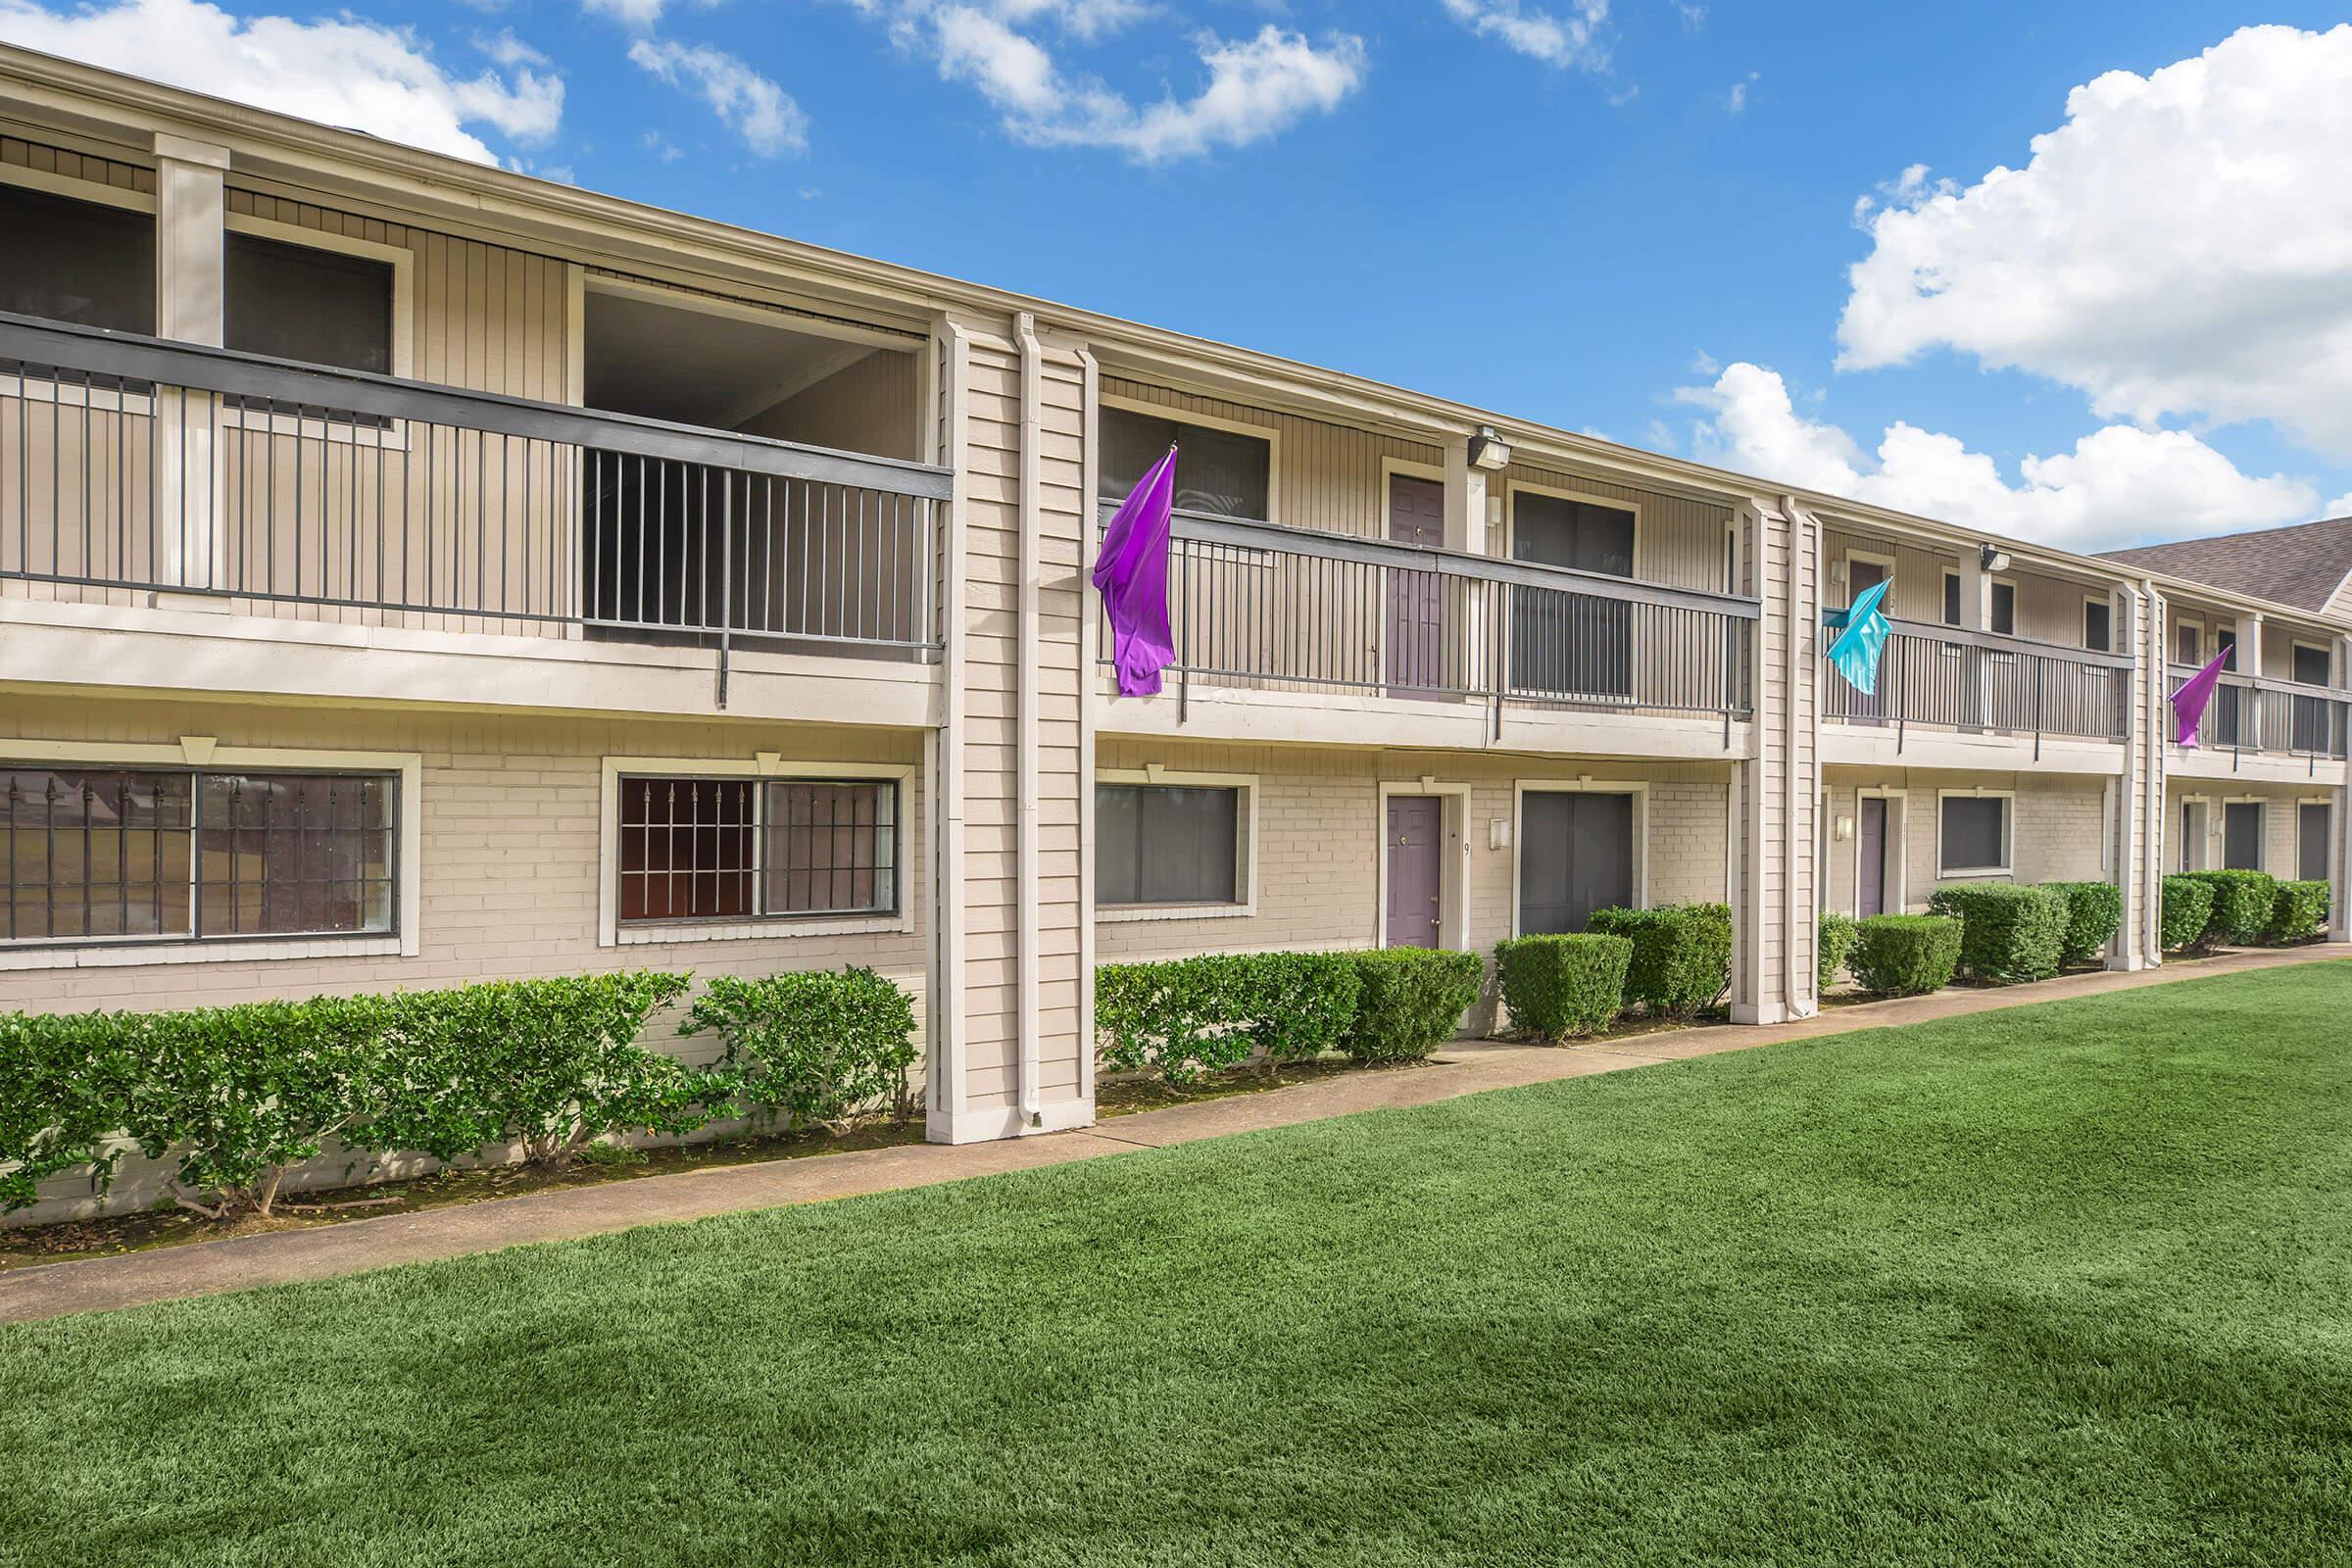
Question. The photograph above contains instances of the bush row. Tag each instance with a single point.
(1182, 1017)
(2203, 909)
(238, 1094)
(1670, 961)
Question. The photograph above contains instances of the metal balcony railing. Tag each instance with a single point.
(1255, 605)
(1944, 678)
(2277, 719)
(137, 463)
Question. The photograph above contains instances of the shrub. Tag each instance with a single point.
(2298, 912)
(1409, 1000)
(2187, 907)
(1835, 943)
(2094, 912)
(551, 1064)
(1905, 954)
(1181, 1017)
(242, 1092)
(1682, 955)
(66, 1082)
(2007, 933)
(1560, 986)
(2241, 905)
(818, 1047)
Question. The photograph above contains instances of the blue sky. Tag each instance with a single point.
(1636, 218)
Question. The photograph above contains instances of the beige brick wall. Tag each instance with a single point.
(2058, 826)
(2280, 820)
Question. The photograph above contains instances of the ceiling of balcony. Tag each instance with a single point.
(694, 366)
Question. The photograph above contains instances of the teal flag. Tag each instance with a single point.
(1856, 650)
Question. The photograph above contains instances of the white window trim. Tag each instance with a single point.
(202, 754)
(2328, 803)
(2293, 643)
(2203, 854)
(1453, 869)
(1246, 851)
(1897, 847)
(1513, 488)
(1951, 579)
(76, 189)
(34, 389)
(1876, 558)
(403, 262)
(2082, 622)
(1270, 435)
(611, 933)
(2008, 866)
(2261, 832)
(2173, 653)
(1521, 789)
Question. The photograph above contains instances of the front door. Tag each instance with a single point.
(1860, 577)
(1416, 656)
(1576, 854)
(1871, 896)
(1414, 890)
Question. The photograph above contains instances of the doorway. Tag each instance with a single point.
(1416, 892)
(1416, 621)
(1869, 831)
(1862, 574)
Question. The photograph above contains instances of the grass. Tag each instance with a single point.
(2065, 1283)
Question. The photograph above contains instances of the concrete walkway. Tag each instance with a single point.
(245, 1263)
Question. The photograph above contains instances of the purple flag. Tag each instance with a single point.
(2188, 703)
(1133, 574)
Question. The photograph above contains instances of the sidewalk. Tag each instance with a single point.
(238, 1264)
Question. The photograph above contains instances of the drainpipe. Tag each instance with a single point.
(1798, 676)
(2151, 917)
(1024, 330)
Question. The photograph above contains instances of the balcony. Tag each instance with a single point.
(2251, 718)
(1263, 612)
(1967, 683)
(133, 466)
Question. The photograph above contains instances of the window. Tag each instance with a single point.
(81, 261)
(2314, 820)
(2189, 643)
(298, 302)
(2004, 609)
(1226, 472)
(2311, 717)
(1974, 834)
(737, 849)
(2098, 625)
(1576, 854)
(1951, 598)
(1162, 844)
(2241, 836)
(1563, 643)
(94, 854)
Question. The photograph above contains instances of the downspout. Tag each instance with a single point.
(1796, 672)
(2151, 918)
(1024, 331)
(1090, 416)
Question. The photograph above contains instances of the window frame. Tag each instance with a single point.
(2261, 832)
(2092, 602)
(39, 389)
(1183, 414)
(1521, 789)
(201, 755)
(1245, 832)
(2303, 807)
(1513, 486)
(614, 932)
(2008, 866)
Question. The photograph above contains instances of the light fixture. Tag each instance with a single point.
(1992, 557)
(1489, 451)
(1845, 830)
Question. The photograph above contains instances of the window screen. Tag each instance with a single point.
(2004, 609)
(2311, 846)
(92, 854)
(2312, 665)
(1581, 535)
(1951, 598)
(2241, 836)
(1166, 843)
(1220, 472)
(2098, 625)
(318, 307)
(78, 261)
(732, 849)
(1576, 854)
(1976, 833)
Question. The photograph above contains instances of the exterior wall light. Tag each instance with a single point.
(1992, 557)
(1489, 451)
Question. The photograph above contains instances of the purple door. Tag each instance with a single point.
(1413, 890)
(1416, 657)
(1860, 577)
(1871, 897)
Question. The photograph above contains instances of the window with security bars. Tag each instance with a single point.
(728, 849)
(97, 855)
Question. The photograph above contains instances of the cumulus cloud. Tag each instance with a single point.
(1570, 40)
(2180, 246)
(337, 70)
(758, 111)
(1254, 87)
(2121, 484)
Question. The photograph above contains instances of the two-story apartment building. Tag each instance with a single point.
(413, 572)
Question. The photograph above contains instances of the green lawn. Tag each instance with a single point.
(2070, 1283)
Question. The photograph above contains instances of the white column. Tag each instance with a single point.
(190, 306)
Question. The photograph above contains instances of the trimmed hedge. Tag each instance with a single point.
(2299, 912)
(1905, 954)
(2094, 914)
(1181, 1017)
(2008, 933)
(1557, 987)
(2182, 917)
(1409, 1002)
(2241, 905)
(1835, 943)
(1682, 955)
(68, 1080)
(814, 1048)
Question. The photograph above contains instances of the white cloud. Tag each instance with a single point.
(2340, 507)
(639, 15)
(2119, 485)
(1737, 99)
(1256, 87)
(1570, 40)
(339, 72)
(2180, 246)
(758, 111)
